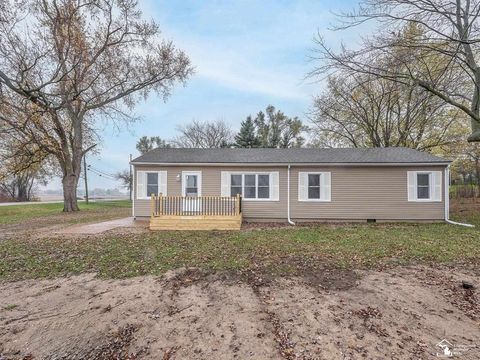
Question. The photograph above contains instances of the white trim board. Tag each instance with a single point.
(246, 164)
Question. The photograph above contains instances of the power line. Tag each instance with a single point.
(101, 171)
(98, 173)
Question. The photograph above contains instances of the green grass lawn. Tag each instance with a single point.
(287, 250)
(273, 251)
(23, 213)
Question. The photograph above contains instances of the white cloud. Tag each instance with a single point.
(233, 71)
(246, 46)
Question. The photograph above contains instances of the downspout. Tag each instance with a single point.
(447, 200)
(134, 192)
(288, 197)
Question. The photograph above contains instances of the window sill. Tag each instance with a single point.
(314, 200)
(258, 200)
(147, 197)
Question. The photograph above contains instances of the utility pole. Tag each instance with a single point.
(130, 178)
(85, 176)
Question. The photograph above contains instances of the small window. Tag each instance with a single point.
(236, 185)
(152, 184)
(250, 187)
(314, 186)
(423, 186)
(263, 186)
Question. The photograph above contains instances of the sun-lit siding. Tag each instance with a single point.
(357, 193)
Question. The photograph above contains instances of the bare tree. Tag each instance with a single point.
(444, 31)
(204, 135)
(467, 163)
(125, 178)
(65, 64)
(366, 111)
(23, 167)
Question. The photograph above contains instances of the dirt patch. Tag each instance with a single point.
(452, 284)
(116, 347)
(190, 314)
(331, 278)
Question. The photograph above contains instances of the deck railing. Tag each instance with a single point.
(196, 206)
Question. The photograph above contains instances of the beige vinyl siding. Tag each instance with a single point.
(211, 186)
(357, 193)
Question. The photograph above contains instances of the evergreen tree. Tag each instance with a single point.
(146, 144)
(271, 129)
(246, 137)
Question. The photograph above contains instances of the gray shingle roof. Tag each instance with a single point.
(395, 155)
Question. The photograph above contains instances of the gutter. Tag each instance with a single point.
(288, 197)
(447, 201)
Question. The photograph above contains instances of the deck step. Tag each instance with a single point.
(203, 222)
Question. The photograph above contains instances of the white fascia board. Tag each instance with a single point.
(292, 165)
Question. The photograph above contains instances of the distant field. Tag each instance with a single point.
(15, 214)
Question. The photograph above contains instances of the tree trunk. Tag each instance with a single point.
(71, 161)
(22, 187)
(69, 182)
(477, 175)
(475, 136)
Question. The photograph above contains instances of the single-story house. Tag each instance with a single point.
(294, 185)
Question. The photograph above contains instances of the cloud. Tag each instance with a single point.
(234, 72)
(248, 46)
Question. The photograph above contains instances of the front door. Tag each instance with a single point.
(191, 190)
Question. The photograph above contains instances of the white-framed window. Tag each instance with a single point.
(314, 186)
(150, 182)
(254, 186)
(250, 186)
(236, 184)
(424, 186)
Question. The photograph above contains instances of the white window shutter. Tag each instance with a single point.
(325, 186)
(162, 182)
(225, 183)
(274, 186)
(302, 186)
(436, 186)
(412, 185)
(141, 185)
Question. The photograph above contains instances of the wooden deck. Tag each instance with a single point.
(195, 213)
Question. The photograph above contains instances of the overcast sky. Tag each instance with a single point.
(247, 55)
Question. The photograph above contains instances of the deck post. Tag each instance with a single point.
(238, 204)
(152, 204)
(160, 204)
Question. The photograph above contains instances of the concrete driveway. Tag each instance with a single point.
(97, 228)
